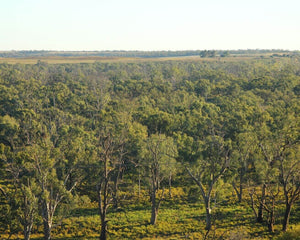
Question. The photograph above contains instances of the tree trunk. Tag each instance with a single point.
(46, 222)
(271, 226)
(272, 214)
(271, 223)
(153, 216)
(170, 185)
(47, 230)
(115, 193)
(115, 196)
(139, 194)
(240, 195)
(102, 205)
(103, 228)
(286, 219)
(208, 213)
(238, 191)
(28, 223)
(154, 208)
(27, 232)
(261, 205)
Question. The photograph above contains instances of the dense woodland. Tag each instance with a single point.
(109, 139)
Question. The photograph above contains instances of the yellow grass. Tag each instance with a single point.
(92, 59)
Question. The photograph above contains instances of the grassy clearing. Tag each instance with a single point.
(180, 220)
(93, 59)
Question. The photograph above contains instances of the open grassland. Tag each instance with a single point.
(93, 59)
(60, 60)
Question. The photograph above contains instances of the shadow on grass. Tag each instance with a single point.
(84, 212)
(74, 237)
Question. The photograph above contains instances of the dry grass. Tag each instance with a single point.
(92, 59)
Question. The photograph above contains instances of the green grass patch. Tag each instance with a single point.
(180, 220)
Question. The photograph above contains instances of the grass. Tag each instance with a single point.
(181, 220)
(93, 59)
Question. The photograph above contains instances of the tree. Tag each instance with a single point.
(267, 174)
(224, 54)
(205, 161)
(23, 199)
(109, 163)
(53, 190)
(243, 149)
(208, 53)
(264, 160)
(288, 154)
(159, 161)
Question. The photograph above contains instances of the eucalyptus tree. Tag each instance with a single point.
(159, 160)
(108, 136)
(53, 190)
(267, 174)
(243, 150)
(21, 195)
(109, 159)
(263, 160)
(287, 153)
(277, 163)
(22, 198)
(209, 168)
(205, 152)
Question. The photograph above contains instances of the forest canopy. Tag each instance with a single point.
(177, 132)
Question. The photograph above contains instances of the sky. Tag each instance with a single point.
(75, 25)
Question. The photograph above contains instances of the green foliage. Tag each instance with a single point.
(229, 123)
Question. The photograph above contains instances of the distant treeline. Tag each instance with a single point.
(142, 54)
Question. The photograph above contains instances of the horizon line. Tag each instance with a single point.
(178, 50)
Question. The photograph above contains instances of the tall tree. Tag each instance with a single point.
(243, 149)
(158, 155)
(108, 163)
(206, 161)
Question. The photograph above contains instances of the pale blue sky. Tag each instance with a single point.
(149, 25)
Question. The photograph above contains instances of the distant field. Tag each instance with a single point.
(92, 59)
(58, 60)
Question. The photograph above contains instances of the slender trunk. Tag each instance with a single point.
(27, 232)
(28, 219)
(170, 185)
(271, 226)
(47, 231)
(139, 194)
(116, 188)
(102, 205)
(272, 214)
(252, 203)
(288, 208)
(103, 202)
(103, 227)
(261, 205)
(46, 222)
(240, 195)
(271, 222)
(238, 191)
(208, 213)
(115, 195)
(154, 207)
